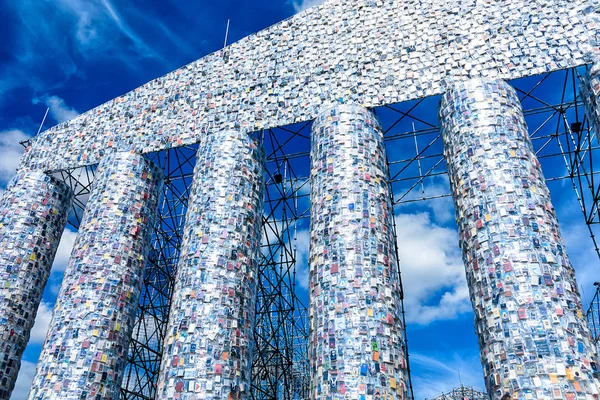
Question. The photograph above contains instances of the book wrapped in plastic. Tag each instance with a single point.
(33, 215)
(207, 348)
(356, 345)
(85, 351)
(533, 337)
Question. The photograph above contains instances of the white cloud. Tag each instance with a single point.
(64, 250)
(147, 332)
(580, 249)
(269, 236)
(442, 207)
(579, 245)
(303, 186)
(26, 374)
(304, 4)
(58, 109)
(432, 268)
(86, 31)
(440, 373)
(302, 248)
(42, 321)
(11, 152)
(54, 283)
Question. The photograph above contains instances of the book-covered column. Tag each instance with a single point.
(33, 215)
(85, 351)
(356, 343)
(533, 337)
(207, 348)
(590, 93)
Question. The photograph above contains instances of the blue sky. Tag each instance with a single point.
(72, 55)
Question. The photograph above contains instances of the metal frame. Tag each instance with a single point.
(593, 316)
(562, 140)
(280, 365)
(463, 393)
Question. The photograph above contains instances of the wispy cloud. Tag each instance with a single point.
(86, 18)
(440, 372)
(52, 40)
(95, 23)
(304, 4)
(38, 52)
(139, 43)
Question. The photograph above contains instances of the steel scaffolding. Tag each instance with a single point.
(463, 393)
(560, 133)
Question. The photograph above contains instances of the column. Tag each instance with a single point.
(590, 93)
(207, 352)
(357, 335)
(533, 336)
(86, 346)
(33, 215)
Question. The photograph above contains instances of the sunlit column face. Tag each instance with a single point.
(533, 338)
(85, 352)
(356, 345)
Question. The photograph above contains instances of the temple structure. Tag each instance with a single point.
(332, 65)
